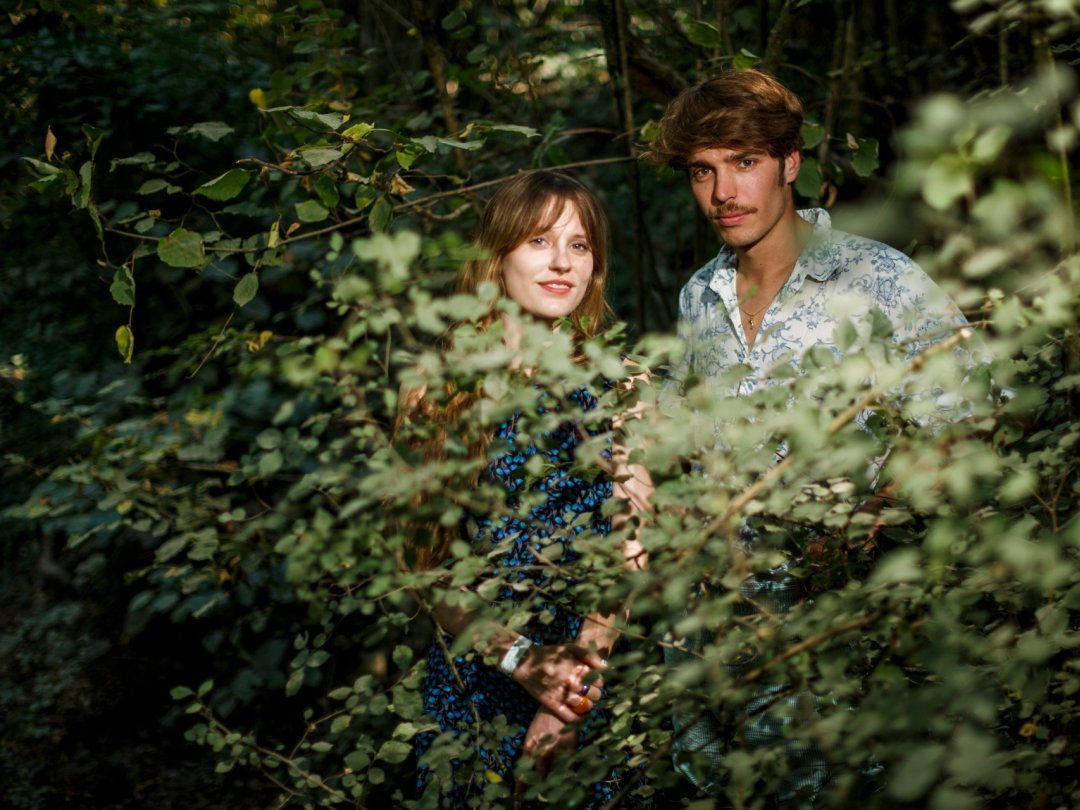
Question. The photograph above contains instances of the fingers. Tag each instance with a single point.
(587, 656)
(562, 708)
(592, 688)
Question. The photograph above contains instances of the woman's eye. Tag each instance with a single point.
(580, 246)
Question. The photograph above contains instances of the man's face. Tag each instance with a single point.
(744, 192)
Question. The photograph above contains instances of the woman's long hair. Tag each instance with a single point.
(527, 204)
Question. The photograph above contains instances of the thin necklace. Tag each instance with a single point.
(751, 315)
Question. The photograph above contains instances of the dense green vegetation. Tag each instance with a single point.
(230, 231)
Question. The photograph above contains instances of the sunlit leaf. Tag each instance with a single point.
(125, 342)
(947, 179)
(246, 289)
(311, 211)
(320, 156)
(182, 248)
(211, 130)
(357, 132)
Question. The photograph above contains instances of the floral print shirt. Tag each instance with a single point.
(836, 285)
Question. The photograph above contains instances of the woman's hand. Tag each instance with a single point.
(556, 675)
(546, 738)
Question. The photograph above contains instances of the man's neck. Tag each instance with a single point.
(767, 263)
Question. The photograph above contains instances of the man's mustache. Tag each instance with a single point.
(728, 209)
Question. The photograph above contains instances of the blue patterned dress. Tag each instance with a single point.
(571, 505)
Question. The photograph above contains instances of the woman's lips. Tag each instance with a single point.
(557, 287)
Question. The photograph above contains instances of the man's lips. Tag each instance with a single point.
(557, 287)
(729, 217)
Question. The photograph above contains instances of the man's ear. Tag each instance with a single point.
(792, 164)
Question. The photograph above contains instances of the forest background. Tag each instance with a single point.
(227, 227)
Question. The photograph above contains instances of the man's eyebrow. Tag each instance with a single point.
(746, 153)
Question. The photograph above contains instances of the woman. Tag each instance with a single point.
(544, 240)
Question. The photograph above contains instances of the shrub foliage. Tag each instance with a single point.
(221, 468)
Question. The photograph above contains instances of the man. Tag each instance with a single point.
(782, 284)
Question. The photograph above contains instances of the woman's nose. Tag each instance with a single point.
(560, 258)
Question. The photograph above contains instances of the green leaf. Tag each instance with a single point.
(311, 211)
(909, 780)
(946, 179)
(865, 158)
(702, 33)
(296, 680)
(270, 463)
(123, 292)
(813, 134)
(744, 60)
(394, 752)
(392, 252)
(358, 760)
(42, 169)
(246, 288)
(182, 248)
(93, 138)
(528, 132)
(125, 342)
(402, 655)
(226, 186)
(365, 196)
(380, 215)
(808, 183)
(81, 197)
(357, 132)
(181, 692)
(211, 130)
(470, 146)
(327, 190)
(139, 159)
(153, 186)
(901, 565)
(405, 156)
(988, 145)
(455, 19)
(320, 156)
(328, 120)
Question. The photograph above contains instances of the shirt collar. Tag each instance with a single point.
(819, 260)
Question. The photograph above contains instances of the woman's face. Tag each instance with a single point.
(548, 274)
